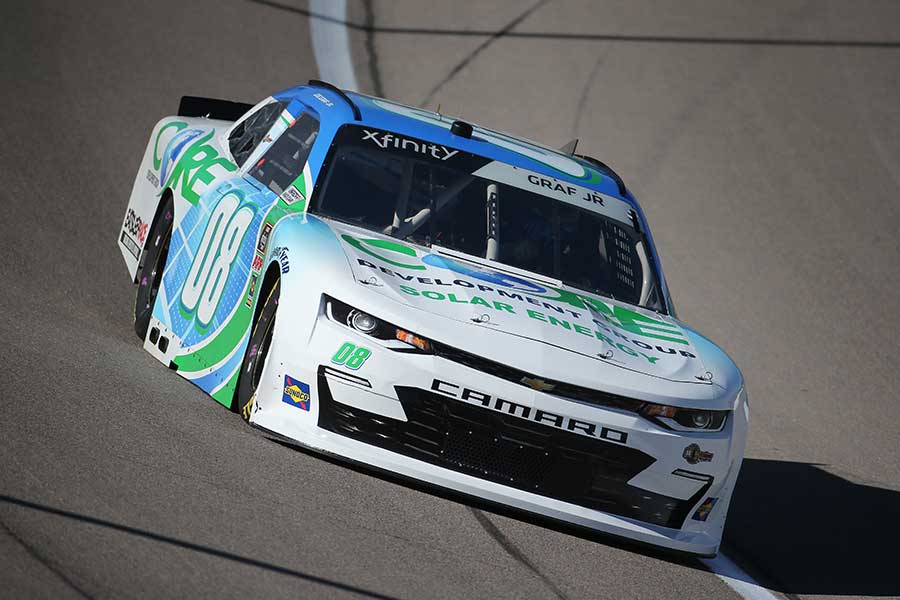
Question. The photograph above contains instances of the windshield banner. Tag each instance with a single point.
(563, 191)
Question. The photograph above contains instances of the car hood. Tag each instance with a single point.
(476, 294)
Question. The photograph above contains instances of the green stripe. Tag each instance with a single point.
(222, 345)
(225, 396)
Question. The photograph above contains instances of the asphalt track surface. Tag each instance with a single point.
(763, 139)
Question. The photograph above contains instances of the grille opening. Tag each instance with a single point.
(511, 451)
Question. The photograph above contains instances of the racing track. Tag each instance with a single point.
(763, 140)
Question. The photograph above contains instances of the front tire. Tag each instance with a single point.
(150, 270)
(256, 354)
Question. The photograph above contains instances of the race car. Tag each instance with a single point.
(432, 298)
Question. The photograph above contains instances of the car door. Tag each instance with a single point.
(220, 247)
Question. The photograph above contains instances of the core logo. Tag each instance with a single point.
(386, 140)
(174, 149)
(187, 160)
(296, 393)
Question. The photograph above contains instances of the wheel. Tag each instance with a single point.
(150, 269)
(255, 356)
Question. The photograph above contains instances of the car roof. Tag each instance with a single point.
(336, 107)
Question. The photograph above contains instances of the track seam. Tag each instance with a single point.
(585, 92)
(590, 37)
(185, 545)
(514, 551)
(43, 560)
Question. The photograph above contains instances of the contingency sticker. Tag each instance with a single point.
(296, 393)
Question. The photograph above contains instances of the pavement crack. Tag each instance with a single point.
(514, 551)
(46, 562)
(474, 53)
(585, 92)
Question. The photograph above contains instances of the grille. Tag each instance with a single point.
(566, 390)
(509, 450)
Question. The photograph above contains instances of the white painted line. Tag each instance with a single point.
(331, 43)
(735, 578)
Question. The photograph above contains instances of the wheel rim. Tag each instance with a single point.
(156, 273)
(258, 357)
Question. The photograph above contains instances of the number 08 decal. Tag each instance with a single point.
(219, 247)
(351, 356)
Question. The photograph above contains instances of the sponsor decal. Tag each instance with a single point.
(130, 245)
(386, 140)
(549, 157)
(152, 178)
(292, 195)
(606, 328)
(296, 192)
(351, 356)
(254, 279)
(281, 253)
(248, 408)
(257, 263)
(693, 455)
(264, 239)
(136, 227)
(585, 428)
(631, 332)
(323, 100)
(704, 509)
(296, 393)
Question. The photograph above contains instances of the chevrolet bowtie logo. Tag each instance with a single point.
(538, 384)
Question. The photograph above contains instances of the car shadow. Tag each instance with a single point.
(794, 527)
(184, 544)
(809, 531)
(479, 504)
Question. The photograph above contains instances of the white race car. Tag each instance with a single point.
(436, 299)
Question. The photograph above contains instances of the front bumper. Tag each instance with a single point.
(405, 413)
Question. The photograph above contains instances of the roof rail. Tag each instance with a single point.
(339, 92)
(606, 169)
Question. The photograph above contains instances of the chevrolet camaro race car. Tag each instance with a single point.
(449, 303)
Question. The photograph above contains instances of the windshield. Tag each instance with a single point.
(430, 194)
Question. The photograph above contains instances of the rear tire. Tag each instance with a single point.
(150, 269)
(256, 354)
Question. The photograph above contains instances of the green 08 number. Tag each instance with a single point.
(351, 356)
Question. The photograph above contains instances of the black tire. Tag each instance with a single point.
(255, 355)
(150, 269)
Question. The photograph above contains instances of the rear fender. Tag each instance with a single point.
(168, 142)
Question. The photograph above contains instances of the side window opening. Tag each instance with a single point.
(244, 138)
(284, 161)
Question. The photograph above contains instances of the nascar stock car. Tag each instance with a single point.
(432, 298)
